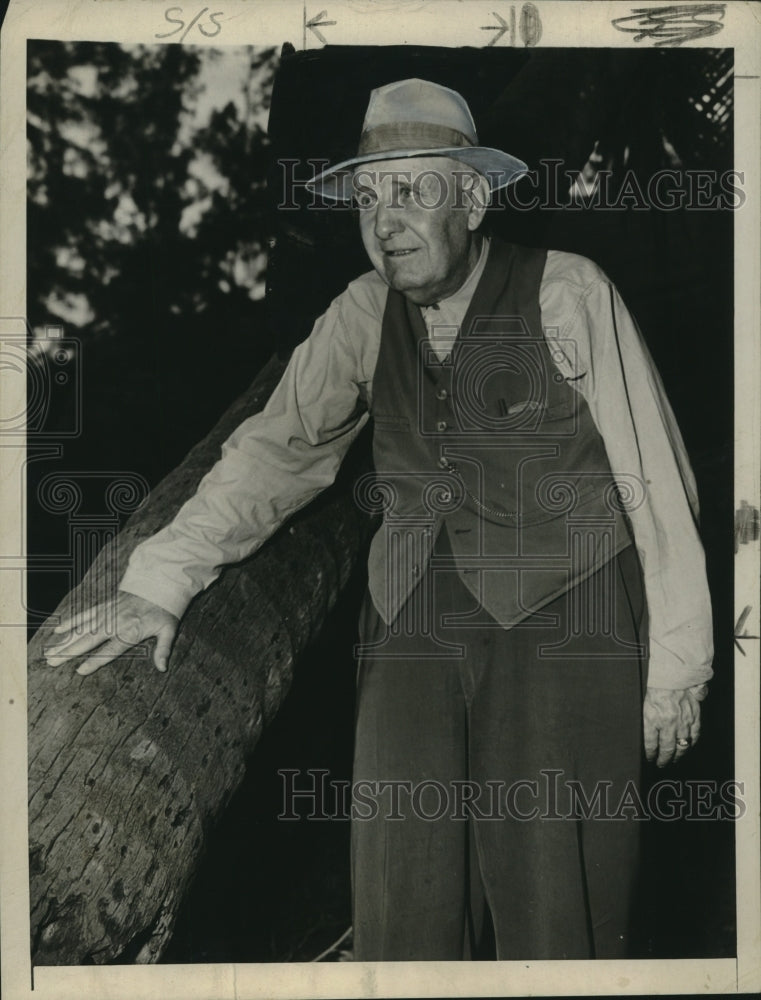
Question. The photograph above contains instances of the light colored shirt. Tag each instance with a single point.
(278, 460)
(443, 320)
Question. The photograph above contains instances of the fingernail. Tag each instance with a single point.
(161, 665)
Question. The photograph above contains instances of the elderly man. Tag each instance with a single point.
(539, 517)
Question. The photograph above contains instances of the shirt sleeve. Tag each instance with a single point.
(601, 350)
(274, 463)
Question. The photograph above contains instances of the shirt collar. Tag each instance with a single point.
(456, 305)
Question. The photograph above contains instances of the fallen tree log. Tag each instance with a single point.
(129, 767)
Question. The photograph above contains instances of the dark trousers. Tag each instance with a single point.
(509, 724)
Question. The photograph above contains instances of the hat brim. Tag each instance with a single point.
(500, 169)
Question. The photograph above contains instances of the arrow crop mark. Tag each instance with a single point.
(501, 28)
(740, 625)
(315, 23)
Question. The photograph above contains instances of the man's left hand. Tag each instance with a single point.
(671, 722)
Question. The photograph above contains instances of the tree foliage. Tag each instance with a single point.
(147, 228)
(122, 178)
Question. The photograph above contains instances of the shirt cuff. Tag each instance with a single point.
(666, 670)
(151, 588)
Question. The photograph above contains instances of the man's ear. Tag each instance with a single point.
(478, 195)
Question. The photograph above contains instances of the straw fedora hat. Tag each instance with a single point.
(418, 118)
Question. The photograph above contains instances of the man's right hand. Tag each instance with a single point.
(105, 631)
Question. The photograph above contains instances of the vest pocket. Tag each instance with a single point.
(560, 411)
(391, 422)
(536, 413)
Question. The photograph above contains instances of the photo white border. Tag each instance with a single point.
(376, 22)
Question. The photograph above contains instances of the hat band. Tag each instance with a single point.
(410, 135)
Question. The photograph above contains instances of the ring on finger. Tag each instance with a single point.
(683, 742)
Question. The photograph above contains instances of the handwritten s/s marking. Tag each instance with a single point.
(674, 24)
(171, 17)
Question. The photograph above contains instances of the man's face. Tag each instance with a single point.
(417, 218)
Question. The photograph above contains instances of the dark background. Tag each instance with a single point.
(175, 331)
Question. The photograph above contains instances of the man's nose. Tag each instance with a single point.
(387, 220)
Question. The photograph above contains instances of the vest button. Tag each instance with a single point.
(442, 394)
(416, 570)
(441, 425)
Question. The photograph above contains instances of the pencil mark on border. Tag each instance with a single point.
(529, 26)
(740, 632)
(314, 24)
(673, 25)
(746, 524)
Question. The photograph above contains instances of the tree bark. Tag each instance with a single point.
(129, 767)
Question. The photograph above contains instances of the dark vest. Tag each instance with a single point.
(496, 445)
